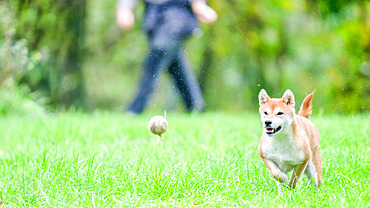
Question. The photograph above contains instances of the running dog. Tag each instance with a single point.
(289, 141)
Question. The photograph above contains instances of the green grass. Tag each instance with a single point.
(208, 160)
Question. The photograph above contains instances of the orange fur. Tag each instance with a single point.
(306, 107)
(289, 141)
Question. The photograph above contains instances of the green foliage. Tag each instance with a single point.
(54, 30)
(254, 44)
(13, 53)
(15, 62)
(302, 45)
(18, 100)
(282, 44)
(208, 160)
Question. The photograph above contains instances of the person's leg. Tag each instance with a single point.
(186, 82)
(164, 45)
(148, 82)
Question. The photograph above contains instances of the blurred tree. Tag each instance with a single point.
(302, 45)
(56, 29)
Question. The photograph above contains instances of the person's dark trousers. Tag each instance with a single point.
(166, 53)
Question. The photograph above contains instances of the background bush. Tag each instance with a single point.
(15, 63)
(81, 58)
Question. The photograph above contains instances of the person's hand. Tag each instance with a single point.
(125, 18)
(203, 12)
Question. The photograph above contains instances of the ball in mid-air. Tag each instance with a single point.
(158, 125)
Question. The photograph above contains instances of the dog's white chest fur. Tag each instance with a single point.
(284, 152)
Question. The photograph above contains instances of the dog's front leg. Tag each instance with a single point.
(275, 171)
(297, 173)
(280, 186)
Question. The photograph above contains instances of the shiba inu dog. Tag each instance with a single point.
(289, 141)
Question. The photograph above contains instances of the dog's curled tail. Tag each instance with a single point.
(306, 107)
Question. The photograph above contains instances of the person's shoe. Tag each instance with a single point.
(130, 114)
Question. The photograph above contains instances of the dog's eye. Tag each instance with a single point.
(280, 113)
(265, 113)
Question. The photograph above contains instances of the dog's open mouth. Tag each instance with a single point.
(271, 131)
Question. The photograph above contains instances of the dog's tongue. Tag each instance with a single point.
(269, 129)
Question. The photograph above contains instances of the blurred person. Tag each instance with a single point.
(167, 24)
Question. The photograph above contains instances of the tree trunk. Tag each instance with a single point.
(71, 83)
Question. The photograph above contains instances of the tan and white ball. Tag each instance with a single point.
(158, 125)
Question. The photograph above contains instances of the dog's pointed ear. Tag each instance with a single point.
(288, 98)
(263, 97)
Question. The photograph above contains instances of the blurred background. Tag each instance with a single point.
(65, 54)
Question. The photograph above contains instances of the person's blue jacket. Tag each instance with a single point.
(132, 3)
(158, 11)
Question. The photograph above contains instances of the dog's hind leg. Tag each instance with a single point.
(316, 160)
(311, 173)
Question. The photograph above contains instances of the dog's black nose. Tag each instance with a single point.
(268, 123)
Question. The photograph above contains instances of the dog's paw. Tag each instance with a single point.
(280, 187)
(283, 177)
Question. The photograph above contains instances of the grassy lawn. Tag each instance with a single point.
(208, 160)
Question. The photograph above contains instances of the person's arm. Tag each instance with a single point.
(203, 12)
(124, 13)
